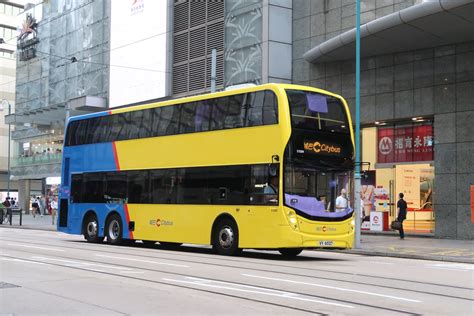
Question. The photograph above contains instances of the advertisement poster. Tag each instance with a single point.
(407, 181)
(367, 193)
(426, 188)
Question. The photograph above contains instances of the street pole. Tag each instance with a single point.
(213, 70)
(357, 177)
(8, 159)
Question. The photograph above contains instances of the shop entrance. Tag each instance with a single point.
(416, 182)
(403, 160)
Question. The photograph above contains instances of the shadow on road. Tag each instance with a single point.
(247, 253)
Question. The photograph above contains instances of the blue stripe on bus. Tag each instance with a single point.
(90, 158)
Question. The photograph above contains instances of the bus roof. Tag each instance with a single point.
(271, 86)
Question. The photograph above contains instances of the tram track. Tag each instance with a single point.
(98, 247)
(147, 280)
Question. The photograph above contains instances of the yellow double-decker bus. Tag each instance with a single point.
(259, 167)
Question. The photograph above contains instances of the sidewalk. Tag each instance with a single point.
(29, 222)
(384, 245)
(414, 247)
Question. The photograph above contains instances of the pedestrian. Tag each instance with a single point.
(402, 214)
(42, 205)
(35, 206)
(341, 201)
(54, 207)
(7, 203)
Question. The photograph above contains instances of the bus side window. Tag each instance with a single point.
(138, 187)
(270, 109)
(140, 124)
(93, 188)
(187, 118)
(165, 121)
(115, 190)
(255, 101)
(163, 186)
(119, 127)
(203, 116)
(234, 116)
(81, 132)
(218, 113)
(76, 188)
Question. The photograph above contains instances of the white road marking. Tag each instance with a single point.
(20, 260)
(253, 290)
(145, 261)
(36, 247)
(378, 262)
(452, 266)
(334, 288)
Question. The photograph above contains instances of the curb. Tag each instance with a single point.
(53, 228)
(406, 256)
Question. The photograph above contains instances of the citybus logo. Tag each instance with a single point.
(160, 222)
(385, 145)
(321, 148)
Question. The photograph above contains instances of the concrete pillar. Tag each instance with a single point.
(24, 188)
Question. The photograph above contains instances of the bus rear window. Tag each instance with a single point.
(316, 111)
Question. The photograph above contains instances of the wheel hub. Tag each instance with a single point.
(92, 228)
(226, 237)
(114, 229)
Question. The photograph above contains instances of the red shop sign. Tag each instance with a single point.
(405, 144)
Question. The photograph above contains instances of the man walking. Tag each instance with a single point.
(402, 213)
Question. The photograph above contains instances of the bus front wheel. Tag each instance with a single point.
(226, 238)
(91, 229)
(114, 230)
(290, 252)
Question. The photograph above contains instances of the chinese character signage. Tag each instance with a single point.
(405, 144)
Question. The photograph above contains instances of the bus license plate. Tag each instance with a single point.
(326, 243)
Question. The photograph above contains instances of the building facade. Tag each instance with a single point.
(417, 81)
(8, 34)
(51, 84)
(416, 88)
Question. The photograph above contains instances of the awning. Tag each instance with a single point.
(429, 24)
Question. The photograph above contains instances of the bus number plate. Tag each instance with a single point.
(326, 243)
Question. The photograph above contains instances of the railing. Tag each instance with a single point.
(37, 160)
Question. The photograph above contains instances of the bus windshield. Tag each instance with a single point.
(315, 192)
(316, 111)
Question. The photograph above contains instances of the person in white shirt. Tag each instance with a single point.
(54, 208)
(341, 201)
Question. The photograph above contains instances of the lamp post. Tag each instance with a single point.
(357, 176)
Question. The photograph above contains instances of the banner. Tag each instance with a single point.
(405, 144)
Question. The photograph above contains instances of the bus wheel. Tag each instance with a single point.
(114, 230)
(91, 229)
(226, 238)
(290, 252)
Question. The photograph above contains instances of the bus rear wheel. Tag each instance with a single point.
(290, 252)
(114, 230)
(91, 229)
(226, 238)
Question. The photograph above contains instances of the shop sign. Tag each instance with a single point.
(27, 40)
(405, 144)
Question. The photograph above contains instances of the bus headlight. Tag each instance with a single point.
(353, 222)
(292, 219)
